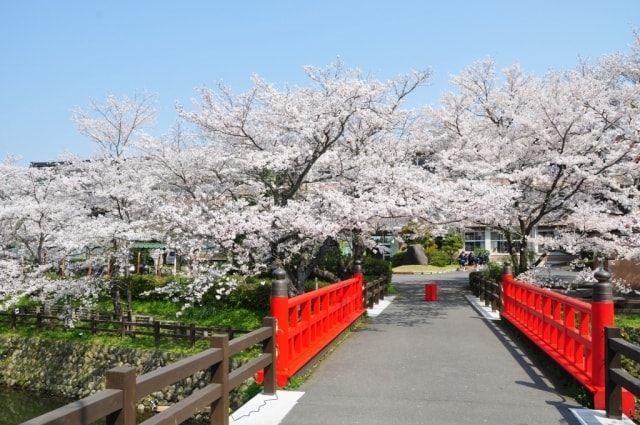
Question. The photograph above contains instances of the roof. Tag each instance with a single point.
(149, 245)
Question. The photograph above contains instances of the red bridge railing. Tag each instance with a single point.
(308, 323)
(570, 331)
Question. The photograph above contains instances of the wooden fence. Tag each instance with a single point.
(117, 403)
(617, 379)
(570, 331)
(375, 291)
(489, 291)
(299, 330)
(102, 323)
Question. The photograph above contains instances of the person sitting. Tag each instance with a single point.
(479, 262)
(462, 261)
(471, 260)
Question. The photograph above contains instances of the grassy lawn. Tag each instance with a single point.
(424, 269)
(630, 320)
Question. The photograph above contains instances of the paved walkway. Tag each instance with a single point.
(421, 362)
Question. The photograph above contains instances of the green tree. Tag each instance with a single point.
(451, 244)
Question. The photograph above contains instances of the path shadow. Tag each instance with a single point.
(530, 360)
(410, 307)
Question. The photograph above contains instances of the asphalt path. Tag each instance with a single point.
(429, 362)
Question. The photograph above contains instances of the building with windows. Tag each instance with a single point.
(495, 242)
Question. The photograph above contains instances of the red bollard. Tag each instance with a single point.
(431, 291)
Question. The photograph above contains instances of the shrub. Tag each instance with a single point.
(493, 271)
(253, 293)
(397, 259)
(336, 262)
(438, 258)
(310, 285)
(142, 283)
(372, 268)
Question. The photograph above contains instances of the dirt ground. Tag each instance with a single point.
(626, 270)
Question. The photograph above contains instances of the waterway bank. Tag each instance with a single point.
(71, 371)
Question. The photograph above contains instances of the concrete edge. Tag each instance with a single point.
(266, 409)
(482, 309)
(379, 308)
(598, 417)
(272, 409)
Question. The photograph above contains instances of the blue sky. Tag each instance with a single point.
(58, 55)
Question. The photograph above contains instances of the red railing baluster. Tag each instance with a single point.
(313, 320)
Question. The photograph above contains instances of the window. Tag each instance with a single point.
(473, 240)
(499, 243)
(546, 233)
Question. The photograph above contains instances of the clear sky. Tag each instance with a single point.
(58, 55)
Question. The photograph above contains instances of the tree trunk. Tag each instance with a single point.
(127, 282)
(304, 270)
(115, 298)
(358, 246)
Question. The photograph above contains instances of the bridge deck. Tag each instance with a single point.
(420, 362)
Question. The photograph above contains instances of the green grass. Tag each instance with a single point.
(422, 269)
(628, 320)
(240, 319)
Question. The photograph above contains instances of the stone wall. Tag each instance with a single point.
(77, 370)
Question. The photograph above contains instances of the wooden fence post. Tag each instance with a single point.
(602, 315)
(124, 379)
(269, 346)
(156, 332)
(357, 273)
(220, 375)
(613, 391)
(123, 330)
(280, 311)
(192, 335)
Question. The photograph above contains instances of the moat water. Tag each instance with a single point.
(18, 406)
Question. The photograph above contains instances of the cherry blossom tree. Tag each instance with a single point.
(286, 173)
(560, 150)
(35, 216)
(276, 177)
(116, 182)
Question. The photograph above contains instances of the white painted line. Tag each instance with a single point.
(266, 409)
(598, 417)
(485, 311)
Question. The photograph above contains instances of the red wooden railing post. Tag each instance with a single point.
(280, 311)
(507, 289)
(602, 315)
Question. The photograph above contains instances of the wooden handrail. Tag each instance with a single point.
(617, 379)
(117, 404)
(375, 291)
(85, 411)
(124, 328)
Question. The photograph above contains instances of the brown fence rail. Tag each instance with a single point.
(117, 403)
(141, 326)
(616, 377)
(375, 291)
(489, 291)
